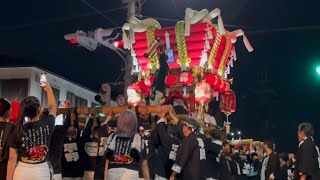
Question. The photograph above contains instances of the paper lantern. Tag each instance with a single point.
(227, 87)
(170, 80)
(217, 84)
(211, 79)
(134, 95)
(185, 78)
(228, 102)
(15, 111)
(202, 93)
(222, 87)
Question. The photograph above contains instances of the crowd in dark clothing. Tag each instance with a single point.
(125, 148)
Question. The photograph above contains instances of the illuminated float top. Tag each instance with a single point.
(200, 55)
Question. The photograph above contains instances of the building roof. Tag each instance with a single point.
(9, 62)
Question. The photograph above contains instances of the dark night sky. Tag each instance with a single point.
(33, 31)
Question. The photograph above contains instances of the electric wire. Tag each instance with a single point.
(99, 12)
(57, 20)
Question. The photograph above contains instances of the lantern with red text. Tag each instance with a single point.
(202, 93)
(228, 106)
(134, 95)
(228, 102)
(185, 79)
(202, 96)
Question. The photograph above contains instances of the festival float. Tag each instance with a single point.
(199, 55)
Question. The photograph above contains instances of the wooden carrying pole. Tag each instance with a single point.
(115, 110)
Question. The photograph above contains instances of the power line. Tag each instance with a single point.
(99, 12)
(57, 20)
(175, 20)
(299, 28)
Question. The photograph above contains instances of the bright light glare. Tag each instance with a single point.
(116, 44)
(232, 134)
(239, 132)
(318, 70)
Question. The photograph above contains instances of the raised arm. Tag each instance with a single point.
(13, 156)
(52, 104)
(172, 113)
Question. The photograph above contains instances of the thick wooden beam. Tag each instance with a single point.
(115, 110)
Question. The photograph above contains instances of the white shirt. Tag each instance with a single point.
(264, 168)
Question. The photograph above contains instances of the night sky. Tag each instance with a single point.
(276, 85)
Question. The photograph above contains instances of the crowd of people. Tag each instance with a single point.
(121, 148)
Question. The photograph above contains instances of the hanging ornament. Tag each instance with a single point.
(217, 84)
(202, 96)
(227, 87)
(185, 78)
(134, 95)
(228, 106)
(170, 80)
(228, 102)
(202, 93)
(211, 79)
(222, 87)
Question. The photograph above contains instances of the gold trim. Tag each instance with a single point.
(214, 50)
(184, 60)
(224, 58)
(153, 58)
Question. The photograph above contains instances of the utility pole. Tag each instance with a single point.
(128, 61)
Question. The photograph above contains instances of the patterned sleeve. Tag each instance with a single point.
(185, 151)
(137, 142)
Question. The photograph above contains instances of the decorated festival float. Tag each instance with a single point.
(189, 62)
(186, 66)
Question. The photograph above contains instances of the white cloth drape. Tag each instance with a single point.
(122, 174)
(26, 171)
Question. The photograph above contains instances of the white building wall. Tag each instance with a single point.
(33, 74)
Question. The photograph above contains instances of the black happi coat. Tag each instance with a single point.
(283, 173)
(6, 130)
(94, 150)
(273, 166)
(308, 160)
(203, 143)
(55, 153)
(256, 165)
(226, 168)
(188, 163)
(33, 139)
(213, 163)
(166, 147)
(122, 153)
(74, 153)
